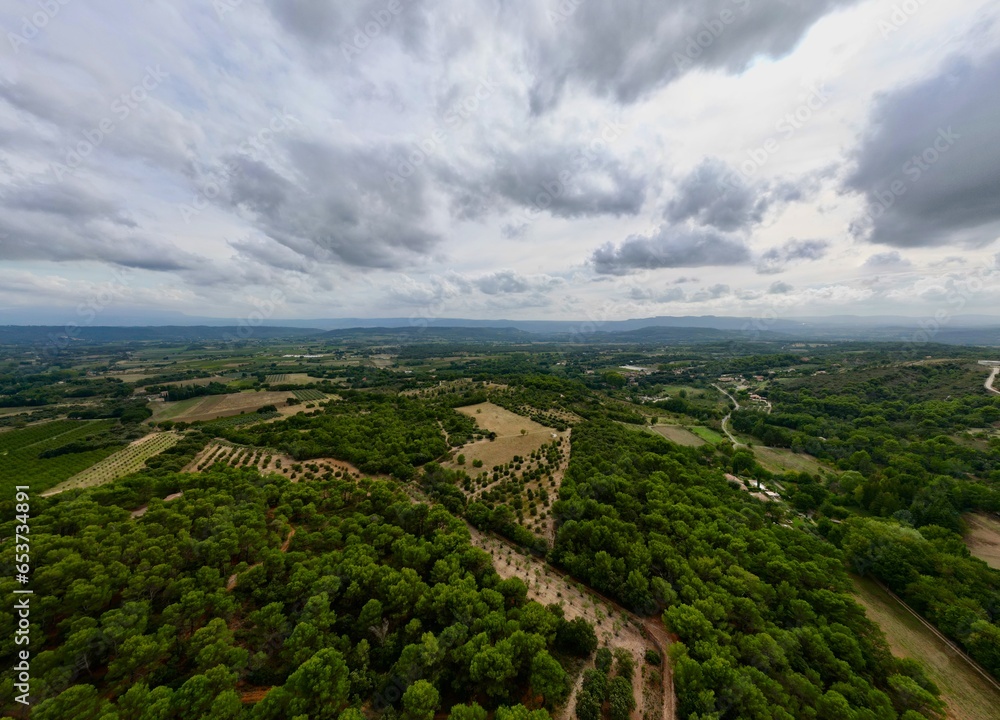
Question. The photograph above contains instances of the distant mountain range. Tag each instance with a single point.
(42, 325)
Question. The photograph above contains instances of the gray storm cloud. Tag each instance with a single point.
(929, 164)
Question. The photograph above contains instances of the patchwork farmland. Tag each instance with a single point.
(122, 463)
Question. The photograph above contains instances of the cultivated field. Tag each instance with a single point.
(269, 462)
(968, 695)
(216, 406)
(983, 538)
(124, 462)
(510, 440)
(19, 451)
(509, 444)
(708, 435)
(290, 379)
(309, 395)
(679, 435)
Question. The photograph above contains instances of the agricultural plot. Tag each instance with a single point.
(216, 406)
(522, 468)
(20, 463)
(240, 420)
(267, 461)
(708, 435)
(677, 434)
(299, 379)
(309, 395)
(290, 379)
(123, 463)
(969, 696)
(983, 538)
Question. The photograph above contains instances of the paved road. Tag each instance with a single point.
(725, 421)
(991, 379)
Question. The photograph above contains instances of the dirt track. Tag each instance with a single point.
(615, 625)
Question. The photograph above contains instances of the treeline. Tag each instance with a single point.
(932, 570)
(900, 457)
(208, 607)
(379, 433)
(186, 392)
(766, 625)
(21, 389)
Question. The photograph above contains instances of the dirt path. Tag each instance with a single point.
(615, 625)
(288, 541)
(235, 577)
(145, 508)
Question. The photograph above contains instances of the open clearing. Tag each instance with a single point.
(983, 538)
(708, 435)
(778, 460)
(614, 627)
(510, 443)
(679, 435)
(124, 462)
(968, 695)
(216, 406)
(499, 420)
(510, 440)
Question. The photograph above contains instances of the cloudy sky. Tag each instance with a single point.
(526, 159)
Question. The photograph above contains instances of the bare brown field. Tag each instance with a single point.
(216, 406)
(679, 435)
(983, 538)
(503, 449)
(967, 695)
(501, 421)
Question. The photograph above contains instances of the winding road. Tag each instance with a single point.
(991, 380)
(725, 421)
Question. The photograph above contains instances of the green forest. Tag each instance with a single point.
(196, 590)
